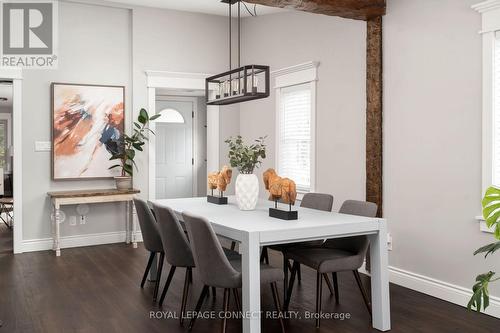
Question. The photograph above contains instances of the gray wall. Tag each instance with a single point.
(104, 45)
(291, 38)
(94, 47)
(432, 150)
(178, 42)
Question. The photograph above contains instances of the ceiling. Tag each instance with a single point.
(214, 7)
(6, 91)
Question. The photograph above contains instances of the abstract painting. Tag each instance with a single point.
(87, 127)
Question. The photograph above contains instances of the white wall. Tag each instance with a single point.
(432, 150)
(291, 38)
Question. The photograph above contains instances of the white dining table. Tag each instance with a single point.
(254, 229)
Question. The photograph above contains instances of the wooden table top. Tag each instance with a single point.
(90, 193)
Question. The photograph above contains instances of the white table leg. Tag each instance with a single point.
(251, 282)
(57, 220)
(380, 279)
(127, 222)
(130, 213)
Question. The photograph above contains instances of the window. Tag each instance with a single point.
(171, 116)
(295, 137)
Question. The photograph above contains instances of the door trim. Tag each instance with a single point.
(194, 134)
(16, 75)
(180, 81)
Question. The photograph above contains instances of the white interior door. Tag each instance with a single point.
(174, 149)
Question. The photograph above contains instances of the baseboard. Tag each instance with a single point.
(439, 289)
(43, 244)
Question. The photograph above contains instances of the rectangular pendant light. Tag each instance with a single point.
(237, 85)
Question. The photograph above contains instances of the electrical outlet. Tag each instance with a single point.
(389, 242)
(83, 219)
(72, 220)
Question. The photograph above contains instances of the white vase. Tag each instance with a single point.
(247, 191)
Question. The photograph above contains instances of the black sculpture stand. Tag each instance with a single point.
(220, 200)
(283, 214)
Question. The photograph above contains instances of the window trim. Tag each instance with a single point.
(490, 15)
(306, 73)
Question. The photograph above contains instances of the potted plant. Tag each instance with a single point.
(246, 158)
(491, 213)
(126, 147)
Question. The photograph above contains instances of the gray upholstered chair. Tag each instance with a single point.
(151, 240)
(319, 201)
(335, 255)
(216, 270)
(177, 251)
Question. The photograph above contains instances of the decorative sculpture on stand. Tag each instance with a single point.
(219, 180)
(281, 189)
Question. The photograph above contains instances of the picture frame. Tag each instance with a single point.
(87, 122)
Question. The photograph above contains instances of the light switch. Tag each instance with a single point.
(43, 146)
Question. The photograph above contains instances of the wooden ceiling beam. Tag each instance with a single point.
(351, 9)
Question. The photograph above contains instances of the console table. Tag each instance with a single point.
(61, 198)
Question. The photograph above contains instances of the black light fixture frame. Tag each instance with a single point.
(241, 73)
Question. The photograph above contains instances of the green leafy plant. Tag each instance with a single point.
(491, 213)
(126, 147)
(246, 157)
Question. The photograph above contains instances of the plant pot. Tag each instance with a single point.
(247, 191)
(123, 182)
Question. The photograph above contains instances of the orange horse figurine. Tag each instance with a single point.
(219, 180)
(279, 188)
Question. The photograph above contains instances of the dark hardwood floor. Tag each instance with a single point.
(96, 289)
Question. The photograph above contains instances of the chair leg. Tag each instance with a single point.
(319, 286)
(277, 303)
(214, 292)
(336, 287)
(148, 267)
(237, 299)
(233, 245)
(185, 294)
(299, 274)
(328, 283)
(363, 291)
(167, 284)
(288, 294)
(203, 294)
(158, 277)
(226, 309)
(285, 279)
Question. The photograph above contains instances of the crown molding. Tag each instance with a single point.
(296, 68)
(486, 6)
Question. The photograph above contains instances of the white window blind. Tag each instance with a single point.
(496, 112)
(294, 151)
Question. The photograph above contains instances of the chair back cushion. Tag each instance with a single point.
(213, 267)
(319, 201)
(357, 244)
(175, 243)
(149, 229)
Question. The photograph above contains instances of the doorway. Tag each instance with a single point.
(174, 148)
(180, 144)
(6, 169)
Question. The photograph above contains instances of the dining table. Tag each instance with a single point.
(254, 229)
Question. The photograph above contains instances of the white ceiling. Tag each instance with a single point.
(214, 7)
(6, 91)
